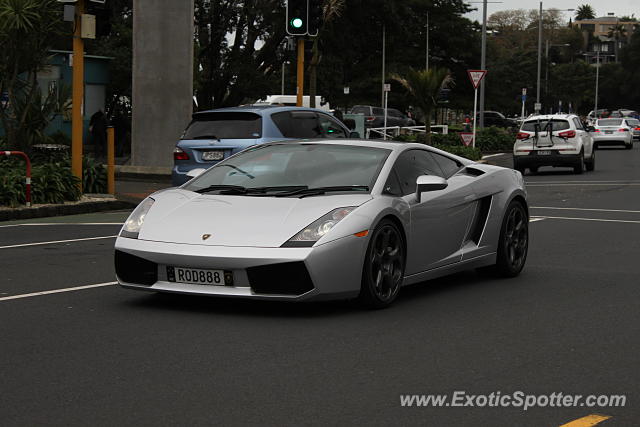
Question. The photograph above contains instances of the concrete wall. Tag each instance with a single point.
(162, 79)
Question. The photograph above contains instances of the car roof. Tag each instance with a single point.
(551, 116)
(258, 109)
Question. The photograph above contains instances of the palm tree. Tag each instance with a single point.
(585, 11)
(331, 9)
(617, 32)
(423, 89)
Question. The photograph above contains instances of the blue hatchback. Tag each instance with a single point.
(215, 135)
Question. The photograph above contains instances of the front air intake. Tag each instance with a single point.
(136, 270)
(289, 278)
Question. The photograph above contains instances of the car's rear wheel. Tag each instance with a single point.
(534, 169)
(579, 167)
(517, 166)
(384, 264)
(513, 242)
(591, 163)
(628, 146)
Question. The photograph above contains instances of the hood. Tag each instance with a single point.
(181, 216)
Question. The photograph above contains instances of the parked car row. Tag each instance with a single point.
(374, 116)
(563, 140)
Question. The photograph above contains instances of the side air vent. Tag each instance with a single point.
(133, 269)
(473, 171)
(480, 219)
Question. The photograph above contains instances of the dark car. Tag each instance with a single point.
(215, 135)
(497, 119)
(374, 116)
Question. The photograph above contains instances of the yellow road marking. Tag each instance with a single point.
(589, 420)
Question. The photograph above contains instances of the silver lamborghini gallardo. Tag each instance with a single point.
(326, 219)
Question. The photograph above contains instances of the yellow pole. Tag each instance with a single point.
(111, 168)
(300, 89)
(78, 95)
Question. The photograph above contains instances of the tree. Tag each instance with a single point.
(585, 11)
(237, 50)
(617, 33)
(27, 29)
(423, 89)
(331, 9)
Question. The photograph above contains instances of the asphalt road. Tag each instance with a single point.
(109, 356)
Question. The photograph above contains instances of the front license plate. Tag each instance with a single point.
(543, 152)
(197, 276)
(212, 155)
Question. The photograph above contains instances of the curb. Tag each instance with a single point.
(58, 210)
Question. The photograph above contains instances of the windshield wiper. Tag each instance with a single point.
(322, 190)
(232, 188)
(204, 137)
(258, 191)
(238, 169)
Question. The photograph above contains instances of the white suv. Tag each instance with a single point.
(554, 140)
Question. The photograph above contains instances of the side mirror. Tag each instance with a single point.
(195, 172)
(590, 129)
(354, 134)
(426, 183)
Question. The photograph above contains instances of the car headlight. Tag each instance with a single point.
(318, 228)
(134, 223)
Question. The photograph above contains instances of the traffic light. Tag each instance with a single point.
(297, 17)
(315, 17)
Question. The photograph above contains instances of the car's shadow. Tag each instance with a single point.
(409, 296)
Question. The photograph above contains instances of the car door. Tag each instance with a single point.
(585, 137)
(440, 220)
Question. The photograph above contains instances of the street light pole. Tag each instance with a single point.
(427, 52)
(537, 110)
(483, 62)
(384, 42)
(595, 108)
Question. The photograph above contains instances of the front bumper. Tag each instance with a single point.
(334, 268)
(554, 159)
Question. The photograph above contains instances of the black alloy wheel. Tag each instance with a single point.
(514, 241)
(384, 264)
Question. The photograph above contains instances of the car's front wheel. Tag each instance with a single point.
(513, 242)
(384, 264)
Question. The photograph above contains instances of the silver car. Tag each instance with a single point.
(634, 125)
(326, 219)
(613, 132)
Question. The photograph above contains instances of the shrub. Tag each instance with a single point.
(94, 176)
(461, 150)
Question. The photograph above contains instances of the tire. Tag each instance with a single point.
(628, 146)
(579, 168)
(513, 243)
(533, 169)
(591, 164)
(517, 166)
(384, 264)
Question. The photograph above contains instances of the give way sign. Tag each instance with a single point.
(476, 77)
(466, 137)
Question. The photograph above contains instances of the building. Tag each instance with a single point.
(597, 40)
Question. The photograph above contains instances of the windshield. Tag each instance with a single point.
(296, 165)
(224, 125)
(530, 126)
(610, 122)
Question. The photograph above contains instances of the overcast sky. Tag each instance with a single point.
(602, 7)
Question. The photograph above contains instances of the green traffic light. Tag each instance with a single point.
(296, 23)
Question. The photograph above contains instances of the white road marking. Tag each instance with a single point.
(488, 156)
(629, 181)
(587, 184)
(584, 209)
(57, 291)
(56, 241)
(590, 219)
(535, 219)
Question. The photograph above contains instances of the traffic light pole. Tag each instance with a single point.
(77, 95)
(300, 87)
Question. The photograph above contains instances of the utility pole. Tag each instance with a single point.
(427, 50)
(282, 82)
(595, 108)
(77, 123)
(300, 76)
(384, 42)
(483, 62)
(539, 60)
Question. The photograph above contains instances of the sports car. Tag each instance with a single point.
(326, 219)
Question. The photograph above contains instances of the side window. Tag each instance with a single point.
(578, 124)
(448, 165)
(298, 124)
(377, 111)
(410, 165)
(392, 186)
(330, 127)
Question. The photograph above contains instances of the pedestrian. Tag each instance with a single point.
(98, 130)
(467, 123)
